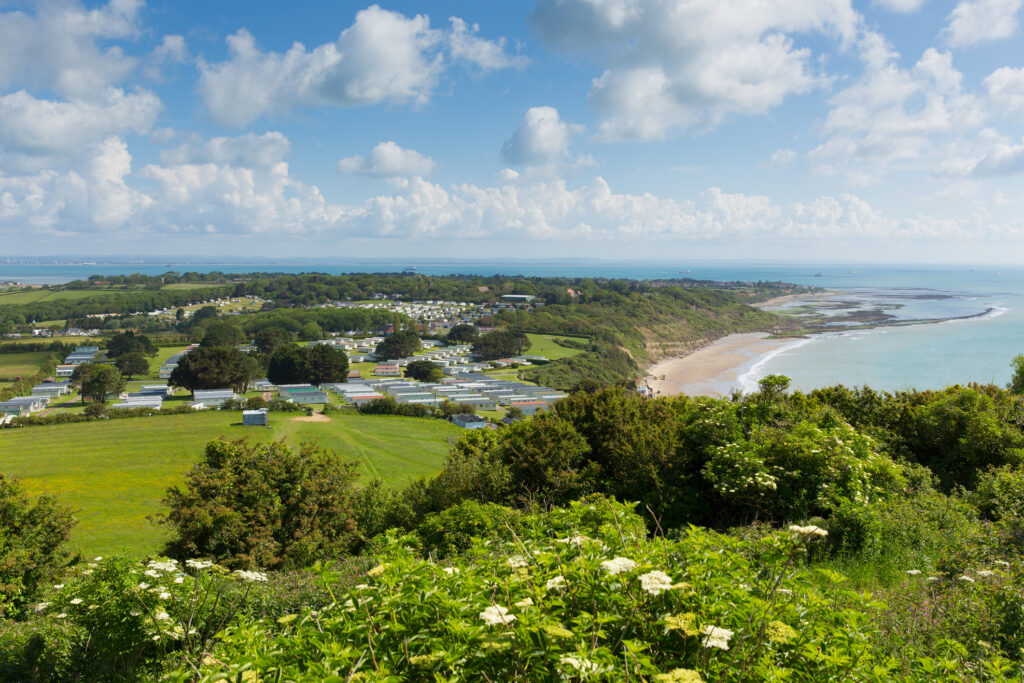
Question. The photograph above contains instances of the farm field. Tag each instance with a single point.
(544, 345)
(21, 364)
(31, 296)
(114, 473)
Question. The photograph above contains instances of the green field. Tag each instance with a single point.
(114, 473)
(192, 285)
(21, 364)
(31, 296)
(544, 345)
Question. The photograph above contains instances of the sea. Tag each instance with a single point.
(946, 324)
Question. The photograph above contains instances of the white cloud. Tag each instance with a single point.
(783, 157)
(1006, 90)
(388, 160)
(243, 150)
(383, 57)
(902, 6)
(542, 138)
(687, 65)
(488, 55)
(172, 48)
(977, 21)
(36, 127)
(60, 47)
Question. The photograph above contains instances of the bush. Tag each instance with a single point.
(1000, 493)
(450, 532)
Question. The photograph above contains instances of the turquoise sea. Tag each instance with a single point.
(970, 349)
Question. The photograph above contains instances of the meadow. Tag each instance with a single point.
(545, 345)
(35, 295)
(114, 473)
(21, 364)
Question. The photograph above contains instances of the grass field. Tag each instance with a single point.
(114, 473)
(192, 285)
(21, 364)
(544, 345)
(31, 296)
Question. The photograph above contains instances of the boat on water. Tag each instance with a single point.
(818, 275)
(853, 272)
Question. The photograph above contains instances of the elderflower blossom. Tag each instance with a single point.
(525, 602)
(179, 579)
(152, 573)
(913, 572)
(809, 530)
(164, 566)
(966, 578)
(555, 582)
(59, 586)
(450, 570)
(76, 601)
(163, 596)
(717, 637)
(162, 616)
(618, 565)
(518, 561)
(1002, 563)
(42, 606)
(61, 616)
(984, 572)
(496, 614)
(679, 676)
(579, 663)
(655, 582)
(250, 576)
(143, 586)
(198, 564)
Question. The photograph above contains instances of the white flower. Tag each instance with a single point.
(76, 601)
(808, 531)
(86, 571)
(198, 564)
(717, 637)
(97, 559)
(250, 576)
(41, 606)
(164, 595)
(450, 570)
(59, 586)
(575, 540)
(913, 572)
(164, 566)
(1002, 563)
(61, 615)
(984, 572)
(618, 565)
(555, 582)
(155, 638)
(496, 614)
(179, 579)
(966, 578)
(932, 578)
(578, 663)
(152, 573)
(784, 591)
(655, 582)
(162, 616)
(517, 561)
(143, 586)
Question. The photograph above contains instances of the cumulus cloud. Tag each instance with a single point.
(1006, 90)
(383, 57)
(542, 138)
(250, 149)
(61, 46)
(488, 55)
(978, 21)
(172, 48)
(892, 117)
(388, 160)
(902, 6)
(36, 127)
(687, 65)
(783, 157)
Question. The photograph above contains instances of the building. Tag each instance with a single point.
(255, 418)
(467, 421)
(388, 370)
(214, 397)
(529, 407)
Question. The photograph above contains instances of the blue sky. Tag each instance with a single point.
(890, 130)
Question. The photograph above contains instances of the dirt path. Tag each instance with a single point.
(315, 417)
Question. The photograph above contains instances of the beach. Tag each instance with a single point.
(714, 370)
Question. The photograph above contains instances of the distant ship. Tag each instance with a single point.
(409, 269)
(853, 272)
(684, 271)
(817, 275)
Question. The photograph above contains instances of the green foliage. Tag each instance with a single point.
(269, 339)
(326, 364)
(1000, 493)
(128, 342)
(130, 364)
(462, 334)
(288, 365)
(452, 531)
(222, 334)
(500, 344)
(378, 507)
(389, 406)
(97, 381)
(399, 345)
(263, 505)
(1017, 380)
(424, 371)
(213, 367)
(32, 537)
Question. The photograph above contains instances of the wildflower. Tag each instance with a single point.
(86, 572)
(783, 591)
(41, 606)
(579, 663)
(61, 616)
(59, 586)
(577, 540)
(164, 595)
(97, 559)
(179, 579)
(913, 572)
(686, 623)
(984, 572)
(162, 616)
(555, 582)
(808, 531)
(496, 614)
(557, 631)
(518, 561)
(525, 602)
(143, 586)
(1002, 563)
(655, 582)
(250, 576)
(679, 676)
(966, 578)
(378, 570)
(450, 570)
(717, 637)
(76, 601)
(932, 578)
(198, 564)
(618, 565)
(164, 566)
(781, 632)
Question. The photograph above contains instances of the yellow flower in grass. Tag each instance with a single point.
(781, 632)
(679, 676)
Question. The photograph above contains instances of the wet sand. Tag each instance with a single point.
(713, 370)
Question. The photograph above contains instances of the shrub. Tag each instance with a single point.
(450, 532)
(1000, 493)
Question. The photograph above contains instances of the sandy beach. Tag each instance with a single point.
(713, 370)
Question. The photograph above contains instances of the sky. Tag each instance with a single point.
(886, 130)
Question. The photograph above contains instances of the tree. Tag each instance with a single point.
(311, 331)
(289, 365)
(97, 381)
(263, 505)
(33, 532)
(462, 334)
(131, 364)
(399, 345)
(326, 364)
(424, 371)
(213, 367)
(500, 344)
(204, 313)
(179, 314)
(1016, 385)
(269, 339)
(222, 334)
(129, 342)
